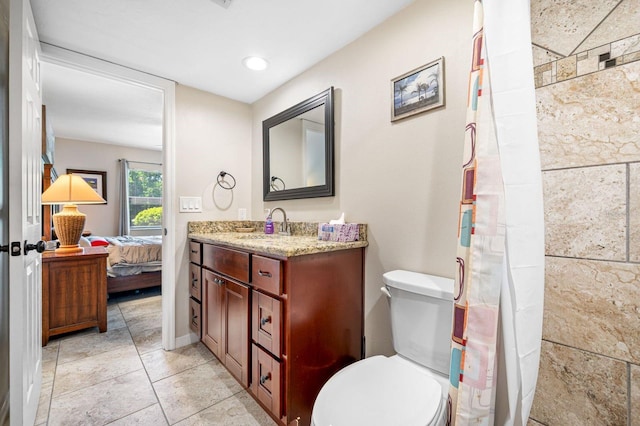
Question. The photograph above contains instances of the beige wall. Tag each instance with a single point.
(589, 131)
(401, 178)
(73, 154)
(213, 134)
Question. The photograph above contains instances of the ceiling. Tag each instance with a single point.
(197, 43)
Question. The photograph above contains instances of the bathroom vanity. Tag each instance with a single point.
(282, 313)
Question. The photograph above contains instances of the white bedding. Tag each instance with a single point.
(127, 250)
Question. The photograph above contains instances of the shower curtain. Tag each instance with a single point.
(497, 324)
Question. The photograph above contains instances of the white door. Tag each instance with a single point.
(25, 181)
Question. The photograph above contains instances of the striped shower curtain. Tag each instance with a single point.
(497, 324)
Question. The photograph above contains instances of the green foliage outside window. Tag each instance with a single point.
(145, 198)
(144, 183)
(149, 217)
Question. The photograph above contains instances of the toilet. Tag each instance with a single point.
(411, 387)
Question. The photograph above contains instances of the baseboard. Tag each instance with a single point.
(187, 339)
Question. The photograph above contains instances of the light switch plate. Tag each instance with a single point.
(190, 205)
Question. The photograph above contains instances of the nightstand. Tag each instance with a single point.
(74, 291)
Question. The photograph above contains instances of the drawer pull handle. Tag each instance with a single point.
(194, 251)
(194, 281)
(263, 321)
(263, 379)
(218, 281)
(264, 274)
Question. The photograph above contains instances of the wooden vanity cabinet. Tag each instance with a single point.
(320, 300)
(299, 320)
(225, 328)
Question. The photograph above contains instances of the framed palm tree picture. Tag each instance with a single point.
(418, 90)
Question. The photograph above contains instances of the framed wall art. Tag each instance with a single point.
(96, 180)
(418, 90)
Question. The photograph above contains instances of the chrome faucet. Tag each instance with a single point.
(284, 226)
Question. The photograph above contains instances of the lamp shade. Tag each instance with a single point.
(71, 189)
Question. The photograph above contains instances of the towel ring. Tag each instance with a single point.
(226, 185)
(274, 184)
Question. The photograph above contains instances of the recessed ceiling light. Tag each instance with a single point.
(255, 63)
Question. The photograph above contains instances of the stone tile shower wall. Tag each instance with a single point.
(588, 106)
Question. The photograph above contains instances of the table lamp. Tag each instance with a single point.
(70, 190)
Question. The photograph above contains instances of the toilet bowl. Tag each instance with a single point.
(386, 391)
(406, 389)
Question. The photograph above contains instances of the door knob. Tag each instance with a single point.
(39, 247)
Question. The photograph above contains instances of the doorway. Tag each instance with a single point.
(97, 68)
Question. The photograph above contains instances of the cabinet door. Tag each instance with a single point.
(74, 294)
(194, 280)
(213, 287)
(236, 330)
(194, 316)
(266, 326)
(266, 381)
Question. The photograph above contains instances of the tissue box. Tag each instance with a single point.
(340, 232)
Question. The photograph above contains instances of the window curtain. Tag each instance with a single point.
(497, 324)
(124, 222)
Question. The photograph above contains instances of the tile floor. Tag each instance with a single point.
(124, 377)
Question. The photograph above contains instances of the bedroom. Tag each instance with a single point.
(90, 131)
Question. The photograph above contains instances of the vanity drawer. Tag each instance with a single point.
(229, 262)
(266, 380)
(266, 328)
(195, 285)
(266, 274)
(195, 252)
(194, 316)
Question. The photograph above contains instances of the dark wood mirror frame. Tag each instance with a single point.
(327, 190)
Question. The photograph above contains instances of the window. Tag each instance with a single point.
(145, 199)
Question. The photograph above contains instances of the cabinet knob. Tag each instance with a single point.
(194, 281)
(263, 321)
(263, 379)
(264, 274)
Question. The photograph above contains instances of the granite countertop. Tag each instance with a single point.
(275, 244)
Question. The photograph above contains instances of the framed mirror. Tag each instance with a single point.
(297, 149)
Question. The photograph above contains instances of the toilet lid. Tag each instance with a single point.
(378, 391)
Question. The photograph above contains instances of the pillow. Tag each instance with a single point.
(84, 242)
(98, 241)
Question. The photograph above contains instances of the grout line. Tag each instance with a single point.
(592, 259)
(134, 412)
(628, 394)
(573, 52)
(628, 213)
(146, 372)
(588, 351)
(561, 56)
(588, 166)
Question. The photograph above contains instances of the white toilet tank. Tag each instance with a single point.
(421, 316)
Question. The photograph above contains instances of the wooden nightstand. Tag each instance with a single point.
(74, 291)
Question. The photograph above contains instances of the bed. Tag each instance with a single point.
(134, 262)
